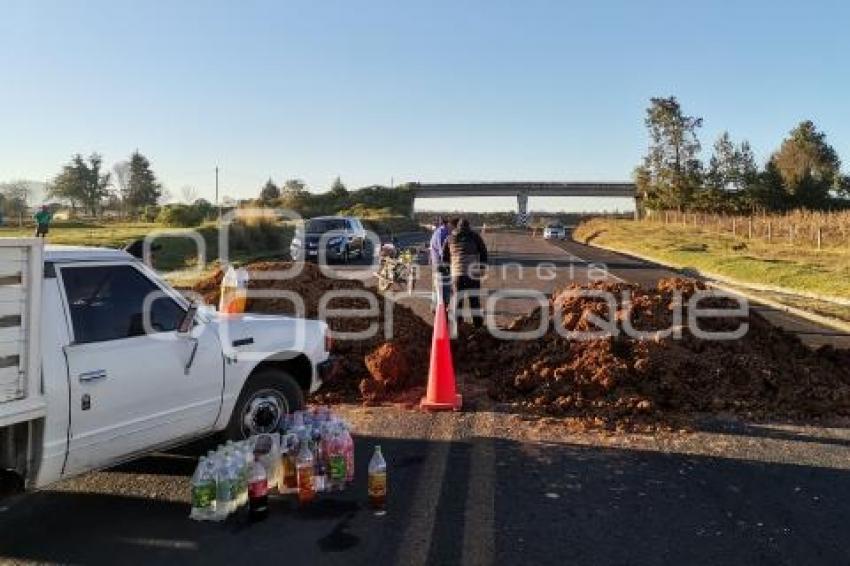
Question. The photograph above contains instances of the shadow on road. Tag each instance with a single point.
(543, 504)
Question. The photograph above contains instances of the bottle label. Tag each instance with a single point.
(305, 479)
(377, 485)
(337, 466)
(259, 488)
(203, 495)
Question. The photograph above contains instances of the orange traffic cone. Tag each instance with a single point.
(441, 394)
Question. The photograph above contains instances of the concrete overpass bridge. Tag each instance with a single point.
(523, 190)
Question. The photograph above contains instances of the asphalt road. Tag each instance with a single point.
(482, 487)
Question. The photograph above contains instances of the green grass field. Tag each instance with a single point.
(797, 268)
(178, 252)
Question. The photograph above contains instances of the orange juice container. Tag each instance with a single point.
(234, 291)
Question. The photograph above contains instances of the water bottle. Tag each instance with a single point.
(203, 491)
(224, 491)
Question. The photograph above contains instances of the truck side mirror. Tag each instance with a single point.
(186, 324)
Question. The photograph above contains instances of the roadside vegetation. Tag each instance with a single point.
(804, 172)
(799, 267)
(784, 224)
(249, 240)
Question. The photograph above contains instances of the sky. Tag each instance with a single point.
(394, 91)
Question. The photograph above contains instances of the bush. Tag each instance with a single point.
(180, 215)
(150, 213)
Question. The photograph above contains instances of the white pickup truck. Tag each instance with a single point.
(101, 361)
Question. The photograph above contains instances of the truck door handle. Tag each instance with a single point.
(92, 375)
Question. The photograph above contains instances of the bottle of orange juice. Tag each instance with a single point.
(234, 291)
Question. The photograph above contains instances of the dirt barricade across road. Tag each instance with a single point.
(613, 382)
(658, 380)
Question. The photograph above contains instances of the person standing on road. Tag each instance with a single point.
(42, 221)
(440, 269)
(466, 254)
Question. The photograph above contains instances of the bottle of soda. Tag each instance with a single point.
(378, 480)
(335, 451)
(304, 468)
(258, 492)
(288, 453)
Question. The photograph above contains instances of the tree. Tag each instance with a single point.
(14, 199)
(189, 194)
(121, 174)
(294, 194)
(671, 169)
(338, 189)
(766, 192)
(165, 196)
(205, 207)
(731, 167)
(142, 188)
(270, 192)
(807, 165)
(81, 182)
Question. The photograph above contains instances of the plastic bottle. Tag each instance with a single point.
(234, 291)
(258, 492)
(203, 491)
(289, 451)
(226, 481)
(348, 451)
(320, 468)
(378, 480)
(304, 466)
(335, 450)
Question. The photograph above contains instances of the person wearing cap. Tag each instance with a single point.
(42, 221)
(439, 268)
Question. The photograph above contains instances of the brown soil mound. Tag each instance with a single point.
(410, 334)
(659, 379)
(624, 382)
(389, 367)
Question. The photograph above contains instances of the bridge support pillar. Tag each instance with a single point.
(522, 208)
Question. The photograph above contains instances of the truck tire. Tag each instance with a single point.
(265, 400)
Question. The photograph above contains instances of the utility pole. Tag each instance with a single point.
(217, 207)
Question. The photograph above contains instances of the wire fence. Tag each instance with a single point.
(819, 230)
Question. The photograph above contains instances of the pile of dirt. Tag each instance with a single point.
(657, 379)
(370, 369)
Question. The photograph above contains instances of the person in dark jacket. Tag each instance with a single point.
(466, 255)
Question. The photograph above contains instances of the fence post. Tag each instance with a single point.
(750, 228)
(769, 230)
(820, 237)
(734, 226)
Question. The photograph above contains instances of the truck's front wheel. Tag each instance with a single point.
(265, 401)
